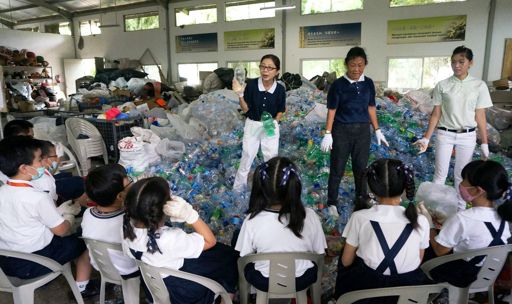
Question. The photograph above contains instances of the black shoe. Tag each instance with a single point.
(91, 289)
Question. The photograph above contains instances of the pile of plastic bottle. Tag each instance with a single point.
(205, 175)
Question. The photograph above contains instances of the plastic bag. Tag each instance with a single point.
(170, 150)
(136, 154)
(440, 200)
(318, 113)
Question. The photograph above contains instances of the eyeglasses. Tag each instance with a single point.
(267, 68)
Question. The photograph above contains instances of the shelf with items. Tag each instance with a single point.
(34, 74)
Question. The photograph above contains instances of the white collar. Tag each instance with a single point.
(262, 88)
(17, 182)
(352, 81)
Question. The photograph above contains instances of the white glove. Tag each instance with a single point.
(326, 144)
(333, 211)
(180, 211)
(485, 151)
(238, 88)
(420, 207)
(70, 218)
(69, 207)
(422, 144)
(380, 138)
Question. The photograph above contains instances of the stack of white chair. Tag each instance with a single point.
(85, 148)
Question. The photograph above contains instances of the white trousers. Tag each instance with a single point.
(464, 147)
(254, 135)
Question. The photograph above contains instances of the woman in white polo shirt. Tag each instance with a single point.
(459, 109)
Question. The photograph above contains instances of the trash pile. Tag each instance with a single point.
(205, 174)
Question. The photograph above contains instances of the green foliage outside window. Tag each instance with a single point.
(139, 22)
(394, 3)
(329, 6)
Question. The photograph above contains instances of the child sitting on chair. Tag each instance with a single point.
(148, 239)
(107, 187)
(29, 219)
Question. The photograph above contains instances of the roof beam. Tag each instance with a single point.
(40, 19)
(18, 8)
(163, 3)
(64, 13)
(7, 23)
(115, 8)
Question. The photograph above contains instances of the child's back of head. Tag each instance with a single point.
(388, 178)
(277, 183)
(16, 151)
(103, 184)
(144, 206)
(18, 127)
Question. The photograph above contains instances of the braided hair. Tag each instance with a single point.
(144, 204)
(389, 178)
(277, 182)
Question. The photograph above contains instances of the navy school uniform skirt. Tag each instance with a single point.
(60, 249)
(359, 276)
(218, 263)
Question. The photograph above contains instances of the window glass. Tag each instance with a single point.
(196, 15)
(413, 73)
(152, 71)
(395, 3)
(314, 67)
(90, 27)
(243, 10)
(140, 22)
(252, 67)
(329, 6)
(190, 71)
(29, 29)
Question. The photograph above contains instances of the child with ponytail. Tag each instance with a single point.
(147, 238)
(480, 226)
(384, 243)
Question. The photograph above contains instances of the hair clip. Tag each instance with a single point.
(263, 171)
(407, 169)
(152, 244)
(286, 174)
(508, 193)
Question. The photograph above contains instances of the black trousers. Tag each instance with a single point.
(348, 140)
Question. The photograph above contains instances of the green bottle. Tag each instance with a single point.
(268, 124)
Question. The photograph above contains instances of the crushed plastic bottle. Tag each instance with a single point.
(268, 124)
(240, 74)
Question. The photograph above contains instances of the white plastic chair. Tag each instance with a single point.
(281, 277)
(23, 290)
(496, 257)
(153, 279)
(418, 294)
(70, 163)
(87, 147)
(99, 251)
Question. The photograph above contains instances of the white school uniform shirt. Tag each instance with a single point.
(108, 227)
(392, 220)
(47, 184)
(466, 229)
(3, 178)
(265, 233)
(175, 244)
(459, 99)
(26, 217)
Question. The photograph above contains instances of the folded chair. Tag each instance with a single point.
(495, 258)
(23, 290)
(99, 251)
(153, 277)
(281, 277)
(417, 294)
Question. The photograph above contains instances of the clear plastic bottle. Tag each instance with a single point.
(240, 74)
(268, 124)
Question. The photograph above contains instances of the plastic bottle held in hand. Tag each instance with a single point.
(268, 124)
(240, 74)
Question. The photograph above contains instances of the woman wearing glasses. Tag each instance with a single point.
(351, 110)
(260, 95)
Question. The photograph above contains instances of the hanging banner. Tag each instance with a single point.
(330, 35)
(196, 43)
(249, 39)
(424, 30)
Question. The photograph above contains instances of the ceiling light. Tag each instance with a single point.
(276, 8)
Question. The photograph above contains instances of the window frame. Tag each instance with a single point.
(141, 15)
(421, 4)
(322, 59)
(422, 76)
(331, 11)
(234, 3)
(196, 8)
(196, 63)
(235, 63)
(89, 21)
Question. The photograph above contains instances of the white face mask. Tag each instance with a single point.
(40, 172)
